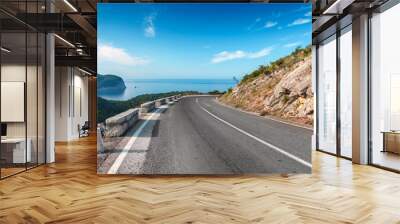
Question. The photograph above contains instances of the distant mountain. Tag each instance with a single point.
(282, 89)
(110, 84)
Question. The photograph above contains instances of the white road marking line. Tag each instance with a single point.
(260, 140)
(267, 117)
(117, 163)
(197, 101)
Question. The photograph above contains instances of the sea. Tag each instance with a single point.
(135, 87)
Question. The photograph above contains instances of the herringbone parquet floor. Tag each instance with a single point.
(70, 191)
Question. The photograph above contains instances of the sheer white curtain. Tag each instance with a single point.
(346, 92)
(327, 95)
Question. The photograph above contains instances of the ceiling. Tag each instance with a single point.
(329, 13)
(73, 21)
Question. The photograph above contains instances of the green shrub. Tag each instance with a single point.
(216, 92)
(299, 54)
(285, 98)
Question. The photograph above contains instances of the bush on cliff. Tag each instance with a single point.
(283, 63)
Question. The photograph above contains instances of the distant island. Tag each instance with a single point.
(110, 84)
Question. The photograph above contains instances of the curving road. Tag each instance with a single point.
(198, 135)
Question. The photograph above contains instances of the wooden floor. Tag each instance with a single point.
(70, 191)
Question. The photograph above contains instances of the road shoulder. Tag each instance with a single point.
(273, 118)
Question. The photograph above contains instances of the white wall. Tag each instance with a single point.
(62, 81)
(16, 73)
(9, 73)
(33, 126)
(79, 115)
(70, 84)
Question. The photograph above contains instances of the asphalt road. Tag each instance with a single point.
(198, 135)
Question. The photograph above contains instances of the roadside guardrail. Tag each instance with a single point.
(117, 125)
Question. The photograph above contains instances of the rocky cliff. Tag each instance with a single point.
(282, 89)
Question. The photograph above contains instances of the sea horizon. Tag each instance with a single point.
(135, 87)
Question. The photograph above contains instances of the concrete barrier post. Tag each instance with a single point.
(157, 103)
(160, 102)
(118, 125)
(147, 107)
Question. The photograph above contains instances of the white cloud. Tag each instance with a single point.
(254, 24)
(300, 22)
(259, 54)
(119, 56)
(294, 44)
(270, 24)
(308, 14)
(227, 56)
(149, 30)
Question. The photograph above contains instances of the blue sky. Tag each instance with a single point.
(195, 41)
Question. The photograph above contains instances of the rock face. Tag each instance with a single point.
(285, 93)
